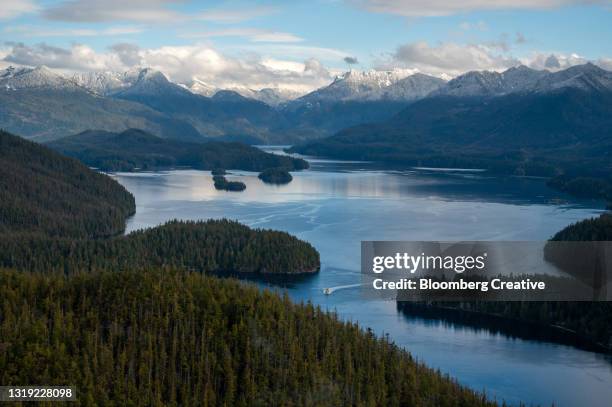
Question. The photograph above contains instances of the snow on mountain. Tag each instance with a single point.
(102, 83)
(521, 78)
(356, 85)
(40, 77)
(150, 82)
(413, 87)
(201, 88)
(524, 79)
(270, 96)
(395, 85)
(588, 77)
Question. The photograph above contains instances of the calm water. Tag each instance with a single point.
(335, 205)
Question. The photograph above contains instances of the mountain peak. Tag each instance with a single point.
(588, 77)
(150, 74)
(31, 78)
(228, 96)
(397, 84)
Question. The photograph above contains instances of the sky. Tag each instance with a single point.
(301, 45)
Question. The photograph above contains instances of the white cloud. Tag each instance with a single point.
(477, 26)
(452, 59)
(253, 34)
(420, 8)
(153, 11)
(181, 63)
(14, 8)
(78, 57)
(111, 10)
(556, 61)
(449, 58)
(234, 15)
(34, 31)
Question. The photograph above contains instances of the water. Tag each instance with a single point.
(335, 205)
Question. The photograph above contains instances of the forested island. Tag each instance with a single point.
(135, 149)
(275, 176)
(135, 320)
(216, 246)
(221, 183)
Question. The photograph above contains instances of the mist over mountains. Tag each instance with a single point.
(43, 104)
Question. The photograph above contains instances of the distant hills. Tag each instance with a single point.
(520, 121)
(137, 149)
(45, 105)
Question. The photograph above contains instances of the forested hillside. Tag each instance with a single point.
(220, 247)
(594, 229)
(174, 338)
(137, 149)
(45, 194)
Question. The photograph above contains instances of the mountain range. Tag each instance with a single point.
(42, 104)
(520, 121)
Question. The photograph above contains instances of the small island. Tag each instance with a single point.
(275, 176)
(218, 171)
(221, 183)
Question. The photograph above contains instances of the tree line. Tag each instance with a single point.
(214, 246)
(589, 320)
(166, 337)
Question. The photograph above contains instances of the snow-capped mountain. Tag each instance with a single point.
(524, 79)
(201, 88)
(150, 82)
(102, 83)
(270, 96)
(371, 85)
(587, 77)
(413, 87)
(490, 83)
(40, 77)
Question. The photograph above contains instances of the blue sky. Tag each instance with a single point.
(302, 44)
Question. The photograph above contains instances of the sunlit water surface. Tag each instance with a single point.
(335, 205)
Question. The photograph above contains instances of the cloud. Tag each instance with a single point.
(181, 63)
(112, 10)
(34, 31)
(234, 15)
(253, 34)
(128, 54)
(449, 58)
(478, 26)
(14, 8)
(78, 57)
(556, 61)
(152, 11)
(428, 8)
(351, 60)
